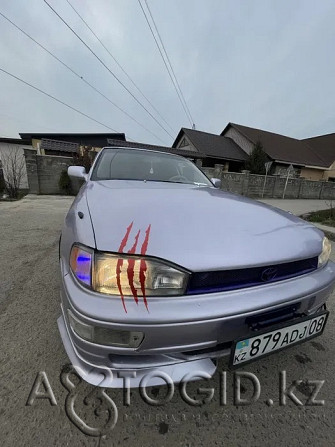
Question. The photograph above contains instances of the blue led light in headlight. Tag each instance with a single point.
(81, 264)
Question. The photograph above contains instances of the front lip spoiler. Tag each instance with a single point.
(109, 378)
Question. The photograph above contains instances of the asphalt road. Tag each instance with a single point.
(30, 343)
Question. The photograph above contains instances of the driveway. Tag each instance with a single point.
(30, 344)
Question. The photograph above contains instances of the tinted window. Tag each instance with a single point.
(125, 164)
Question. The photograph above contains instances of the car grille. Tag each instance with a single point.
(219, 281)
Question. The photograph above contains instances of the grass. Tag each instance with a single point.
(325, 217)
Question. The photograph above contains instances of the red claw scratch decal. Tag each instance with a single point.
(130, 269)
(131, 264)
(143, 265)
(120, 263)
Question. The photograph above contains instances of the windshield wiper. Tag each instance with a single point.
(151, 180)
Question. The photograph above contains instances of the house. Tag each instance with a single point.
(68, 144)
(310, 159)
(324, 146)
(16, 163)
(215, 149)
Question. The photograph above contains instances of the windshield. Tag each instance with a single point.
(132, 164)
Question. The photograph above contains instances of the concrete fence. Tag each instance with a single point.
(43, 172)
(252, 185)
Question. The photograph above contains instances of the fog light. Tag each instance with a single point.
(84, 330)
(127, 339)
(105, 336)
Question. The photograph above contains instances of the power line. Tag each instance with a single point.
(176, 83)
(56, 99)
(119, 65)
(79, 76)
(168, 59)
(107, 68)
(167, 62)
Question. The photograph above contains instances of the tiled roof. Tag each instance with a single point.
(61, 146)
(281, 148)
(324, 146)
(83, 139)
(212, 145)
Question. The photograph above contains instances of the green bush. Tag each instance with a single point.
(64, 183)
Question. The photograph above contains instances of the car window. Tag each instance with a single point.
(125, 164)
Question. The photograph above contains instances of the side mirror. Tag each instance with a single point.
(77, 171)
(216, 182)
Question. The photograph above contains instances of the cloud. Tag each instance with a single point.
(263, 64)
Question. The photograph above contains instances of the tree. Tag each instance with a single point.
(256, 160)
(84, 157)
(13, 167)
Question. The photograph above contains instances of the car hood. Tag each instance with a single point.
(199, 228)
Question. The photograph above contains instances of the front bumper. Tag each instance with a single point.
(181, 334)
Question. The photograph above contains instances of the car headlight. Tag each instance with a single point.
(116, 274)
(326, 250)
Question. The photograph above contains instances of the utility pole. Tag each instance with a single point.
(267, 169)
(289, 170)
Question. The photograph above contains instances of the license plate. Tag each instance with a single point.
(264, 343)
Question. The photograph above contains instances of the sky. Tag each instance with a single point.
(267, 64)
